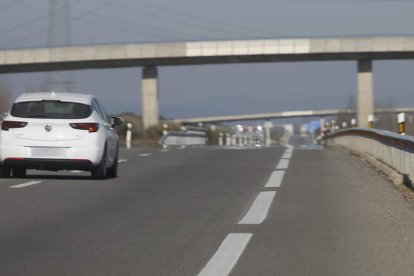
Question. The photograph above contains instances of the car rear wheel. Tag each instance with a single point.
(19, 172)
(113, 170)
(99, 172)
(4, 172)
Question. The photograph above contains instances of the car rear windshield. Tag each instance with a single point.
(51, 110)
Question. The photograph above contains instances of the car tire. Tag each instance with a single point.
(19, 172)
(99, 172)
(4, 172)
(112, 172)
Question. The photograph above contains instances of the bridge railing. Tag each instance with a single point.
(394, 150)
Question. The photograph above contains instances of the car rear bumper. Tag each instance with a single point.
(55, 154)
(91, 147)
(49, 164)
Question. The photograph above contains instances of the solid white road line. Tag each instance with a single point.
(227, 255)
(287, 155)
(275, 179)
(258, 211)
(145, 154)
(283, 164)
(122, 160)
(25, 184)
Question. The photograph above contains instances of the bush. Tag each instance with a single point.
(139, 134)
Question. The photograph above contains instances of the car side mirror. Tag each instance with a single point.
(116, 121)
(3, 116)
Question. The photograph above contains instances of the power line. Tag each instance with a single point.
(22, 38)
(125, 29)
(145, 29)
(30, 21)
(93, 12)
(182, 22)
(146, 26)
(106, 4)
(88, 21)
(81, 17)
(32, 34)
(58, 32)
(68, 22)
(355, 1)
(70, 85)
(51, 24)
(14, 3)
(207, 20)
(24, 24)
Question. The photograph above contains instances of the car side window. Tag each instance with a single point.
(95, 106)
(106, 117)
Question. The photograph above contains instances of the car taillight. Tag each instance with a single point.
(91, 127)
(6, 125)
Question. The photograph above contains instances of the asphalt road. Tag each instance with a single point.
(209, 211)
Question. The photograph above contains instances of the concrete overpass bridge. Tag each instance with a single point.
(149, 56)
(286, 114)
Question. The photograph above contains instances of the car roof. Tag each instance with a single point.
(53, 96)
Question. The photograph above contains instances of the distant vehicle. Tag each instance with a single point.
(58, 131)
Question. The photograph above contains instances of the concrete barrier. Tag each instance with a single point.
(184, 138)
(393, 152)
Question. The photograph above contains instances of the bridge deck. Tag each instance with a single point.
(205, 52)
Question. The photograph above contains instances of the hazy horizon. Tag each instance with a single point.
(203, 90)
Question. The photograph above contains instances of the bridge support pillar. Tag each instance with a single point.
(365, 92)
(150, 97)
(321, 126)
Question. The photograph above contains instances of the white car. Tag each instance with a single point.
(58, 131)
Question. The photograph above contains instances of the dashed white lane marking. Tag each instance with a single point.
(227, 255)
(25, 184)
(122, 160)
(164, 150)
(283, 164)
(258, 211)
(145, 154)
(275, 179)
(287, 155)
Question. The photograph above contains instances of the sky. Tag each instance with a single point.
(205, 90)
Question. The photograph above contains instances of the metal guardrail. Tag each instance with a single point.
(394, 150)
(287, 114)
(388, 138)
